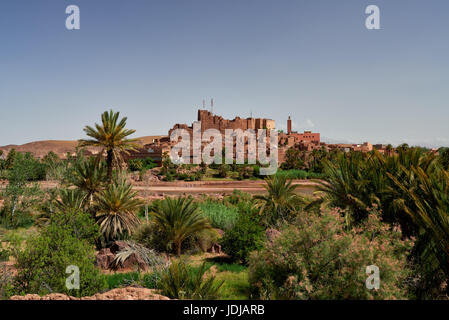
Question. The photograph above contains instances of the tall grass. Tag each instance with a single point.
(221, 216)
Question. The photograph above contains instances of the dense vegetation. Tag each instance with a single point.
(388, 210)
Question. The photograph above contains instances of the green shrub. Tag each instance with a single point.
(140, 164)
(179, 219)
(293, 160)
(151, 236)
(299, 174)
(82, 226)
(6, 283)
(27, 167)
(155, 238)
(237, 197)
(246, 236)
(223, 170)
(180, 281)
(117, 280)
(168, 177)
(4, 255)
(318, 259)
(148, 256)
(146, 280)
(204, 240)
(220, 215)
(41, 265)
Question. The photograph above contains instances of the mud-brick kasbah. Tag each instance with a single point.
(305, 141)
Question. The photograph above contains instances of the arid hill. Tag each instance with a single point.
(60, 147)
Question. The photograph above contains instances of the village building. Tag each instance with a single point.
(306, 141)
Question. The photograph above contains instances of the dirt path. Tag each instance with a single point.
(305, 187)
(221, 187)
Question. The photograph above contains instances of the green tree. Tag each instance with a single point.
(70, 199)
(317, 257)
(444, 157)
(111, 136)
(89, 176)
(181, 282)
(116, 207)
(245, 236)
(19, 195)
(10, 158)
(42, 264)
(2, 161)
(223, 170)
(389, 149)
(427, 203)
(179, 219)
(293, 160)
(281, 200)
(410, 190)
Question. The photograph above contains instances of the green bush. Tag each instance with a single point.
(6, 283)
(82, 226)
(20, 197)
(151, 236)
(141, 164)
(146, 280)
(149, 257)
(293, 160)
(221, 216)
(204, 240)
(246, 236)
(168, 177)
(28, 167)
(299, 174)
(41, 265)
(237, 197)
(179, 219)
(180, 281)
(317, 258)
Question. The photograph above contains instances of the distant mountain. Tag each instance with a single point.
(60, 147)
(434, 143)
(336, 141)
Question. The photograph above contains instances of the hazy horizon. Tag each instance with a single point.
(155, 61)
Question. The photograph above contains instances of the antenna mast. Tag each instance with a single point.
(212, 105)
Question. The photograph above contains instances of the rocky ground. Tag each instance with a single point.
(127, 293)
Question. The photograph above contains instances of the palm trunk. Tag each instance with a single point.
(178, 249)
(109, 164)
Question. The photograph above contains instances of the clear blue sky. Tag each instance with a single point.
(155, 61)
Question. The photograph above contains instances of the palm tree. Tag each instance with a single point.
(179, 219)
(71, 199)
(116, 207)
(427, 203)
(346, 185)
(389, 149)
(281, 199)
(111, 137)
(89, 176)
